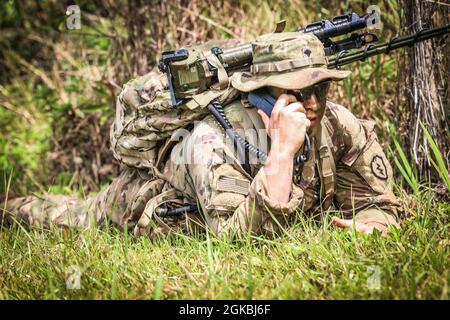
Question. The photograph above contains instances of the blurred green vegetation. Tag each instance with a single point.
(312, 260)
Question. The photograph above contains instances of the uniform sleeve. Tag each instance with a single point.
(122, 202)
(233, 202)
(364, 175)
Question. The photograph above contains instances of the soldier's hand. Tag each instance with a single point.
(359, 226)
(287, 125)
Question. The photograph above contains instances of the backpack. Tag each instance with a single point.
(145, 120)
(141, 135)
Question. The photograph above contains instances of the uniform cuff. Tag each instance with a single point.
(258, 190)
(376, 217)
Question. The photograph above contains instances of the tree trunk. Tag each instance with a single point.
(423, 86)
(136, 23)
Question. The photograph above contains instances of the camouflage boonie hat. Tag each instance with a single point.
(288, 60)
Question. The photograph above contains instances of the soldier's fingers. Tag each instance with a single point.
(348, 223)
(301, 121)
(364, 228)
(342, 223)
(282, 101)
(292, 98)
(265, 119)
(307, 124)
(296, 107)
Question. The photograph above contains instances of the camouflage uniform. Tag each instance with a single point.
(347, 167)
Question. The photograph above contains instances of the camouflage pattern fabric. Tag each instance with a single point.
(119, 202)
(145, 119)
(124, 204)
(287, 60)
(235, 203)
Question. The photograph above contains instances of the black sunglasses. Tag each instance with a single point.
(320, 90)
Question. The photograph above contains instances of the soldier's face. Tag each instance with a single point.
(314, 102)
(315, 109)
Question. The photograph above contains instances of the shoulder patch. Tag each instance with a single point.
(379, 167)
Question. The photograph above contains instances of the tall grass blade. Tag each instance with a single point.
(439, 164)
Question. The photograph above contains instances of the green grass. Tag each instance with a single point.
(313, 261)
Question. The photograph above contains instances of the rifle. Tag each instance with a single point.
(190, 72)
(344, 57)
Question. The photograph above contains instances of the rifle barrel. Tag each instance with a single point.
(238, 56)
(242, 55)
(372, 50)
